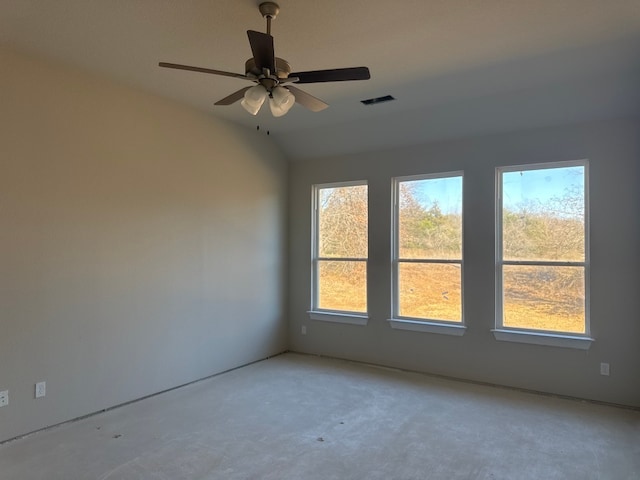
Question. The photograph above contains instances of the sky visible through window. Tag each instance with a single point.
(446, 192)
(543, 185)
(519, 188)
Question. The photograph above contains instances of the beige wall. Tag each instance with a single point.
(141, 244)
(613, 149)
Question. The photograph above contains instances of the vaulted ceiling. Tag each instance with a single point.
(455, 67)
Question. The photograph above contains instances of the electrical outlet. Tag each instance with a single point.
(4, 398)
(41, 389)
(304, 329)
(604, 369)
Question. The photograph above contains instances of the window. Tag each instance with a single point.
(542, 249)
(427, 250)
(340, 236)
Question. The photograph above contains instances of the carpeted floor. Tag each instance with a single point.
(303, 417)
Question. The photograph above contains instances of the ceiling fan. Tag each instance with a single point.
(273, 76)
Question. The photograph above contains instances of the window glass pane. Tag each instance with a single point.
(342, 216)
(430, 218)
(543, 214)
(544, 298)
(342, 285)
(430, 291)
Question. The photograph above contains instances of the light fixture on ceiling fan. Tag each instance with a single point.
(270, 74)
(280, 100)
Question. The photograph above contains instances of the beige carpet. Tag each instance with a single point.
(302, 417)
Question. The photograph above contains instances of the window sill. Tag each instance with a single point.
(548, 339)
(337, 317)
(428, 327)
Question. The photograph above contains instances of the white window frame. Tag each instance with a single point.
(528, 335)
(326, 315)
(411, 323)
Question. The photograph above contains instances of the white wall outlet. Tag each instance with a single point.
(304, 329)
(4, 398)
(604, 369)
(41, 389)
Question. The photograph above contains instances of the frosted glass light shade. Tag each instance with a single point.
(281, 101)
(253, 99)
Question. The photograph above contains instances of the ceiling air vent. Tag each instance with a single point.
(374, 101)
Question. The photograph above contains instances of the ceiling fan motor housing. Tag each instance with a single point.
(283, 69)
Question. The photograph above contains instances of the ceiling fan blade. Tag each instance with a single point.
(233, 98)
(303, 98)
(262, 48)
(203, 70)
(332, 75)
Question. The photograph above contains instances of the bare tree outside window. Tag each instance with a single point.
(341, 248)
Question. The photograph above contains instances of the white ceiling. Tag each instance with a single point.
(456, 67)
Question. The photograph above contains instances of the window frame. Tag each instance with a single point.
(428, 325)
(531, 335)
(315, 312)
